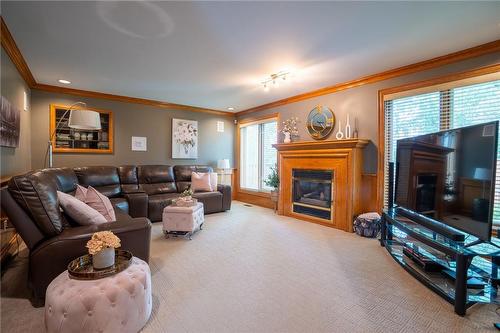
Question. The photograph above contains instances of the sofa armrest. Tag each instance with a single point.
(52, 257)
(137, 204)
(226, 196)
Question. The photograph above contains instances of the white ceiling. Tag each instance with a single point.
(214, 54)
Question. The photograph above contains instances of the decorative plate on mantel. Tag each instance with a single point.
(320, 122)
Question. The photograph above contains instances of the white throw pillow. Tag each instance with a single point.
(200, 182)
(79, 211)
(213, 181)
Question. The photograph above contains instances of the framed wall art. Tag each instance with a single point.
(10, 124)
(184, 139)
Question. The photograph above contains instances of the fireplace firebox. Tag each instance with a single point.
(312, 192)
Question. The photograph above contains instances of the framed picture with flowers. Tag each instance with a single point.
(184, 139)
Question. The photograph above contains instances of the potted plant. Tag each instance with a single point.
(102, 247)
(273, 180)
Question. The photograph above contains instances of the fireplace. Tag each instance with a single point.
(312, 192)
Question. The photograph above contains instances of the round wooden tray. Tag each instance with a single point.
(81, 268)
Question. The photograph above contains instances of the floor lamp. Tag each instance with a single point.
(78, 119)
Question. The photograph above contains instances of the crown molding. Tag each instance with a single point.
(469, 53)
(127, 99)
(10, 46)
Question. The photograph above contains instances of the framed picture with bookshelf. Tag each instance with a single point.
(70, 140)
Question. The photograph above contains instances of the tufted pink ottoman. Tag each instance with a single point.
(183, 220)
(118, 303)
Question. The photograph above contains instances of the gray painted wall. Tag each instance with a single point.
(362, 103)
(132, 120)
(15, 160)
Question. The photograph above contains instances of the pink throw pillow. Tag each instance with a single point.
(213, 181)
(80, 212)
(101, 203)
(200, 182)
(81, 193)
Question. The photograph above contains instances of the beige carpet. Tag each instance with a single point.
(252, 271)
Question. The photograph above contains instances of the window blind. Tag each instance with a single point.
(476, 104)
(407, 117)
(257, 155)
(441, 110)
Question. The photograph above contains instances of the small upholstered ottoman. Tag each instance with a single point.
(118, 303)
(367, 225)
(183, 220)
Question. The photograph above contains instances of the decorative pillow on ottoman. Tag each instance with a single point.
(79, 211)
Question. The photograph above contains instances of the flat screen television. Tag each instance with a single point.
(449, 177)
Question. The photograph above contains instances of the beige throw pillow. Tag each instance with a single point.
(101, 203)
(200, 182)
(80, 212)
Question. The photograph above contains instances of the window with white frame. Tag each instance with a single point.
(444, 108)
(257, 155)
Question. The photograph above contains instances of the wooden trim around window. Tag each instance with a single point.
(412, 86)
(52, 126)
(252, 197)
(469, 53)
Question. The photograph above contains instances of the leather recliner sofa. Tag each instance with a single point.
(138, 194)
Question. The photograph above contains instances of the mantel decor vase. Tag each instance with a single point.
(287, 139)
(104, 258)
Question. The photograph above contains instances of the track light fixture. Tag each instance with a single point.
(274, 79)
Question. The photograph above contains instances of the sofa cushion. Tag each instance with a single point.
(36, 193)
(156, 179)
(105, 179)
(157, 202)
(212, 201)
(128, 178)
(79, 211)
(121, 206)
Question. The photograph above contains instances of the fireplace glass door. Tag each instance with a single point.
(312, 192)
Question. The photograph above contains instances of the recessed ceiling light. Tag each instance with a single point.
(64, 81)
(230, 108)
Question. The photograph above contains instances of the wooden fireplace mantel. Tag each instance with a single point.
(327, 144)
(343, 157)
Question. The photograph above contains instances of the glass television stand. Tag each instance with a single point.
(462, 272)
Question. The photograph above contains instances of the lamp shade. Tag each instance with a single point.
(84, 119)
(223, 164)
(482, 174)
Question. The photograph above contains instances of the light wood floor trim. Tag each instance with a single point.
(392, 73)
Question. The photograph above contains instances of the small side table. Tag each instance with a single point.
(118, 303)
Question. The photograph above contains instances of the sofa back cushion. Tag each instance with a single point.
(36, 193)
(105, 179)
(128, 178)
(183, 174)
(156, 179)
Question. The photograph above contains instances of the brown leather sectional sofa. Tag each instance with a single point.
(138, 193)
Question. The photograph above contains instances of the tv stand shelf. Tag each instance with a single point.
(471, 265)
